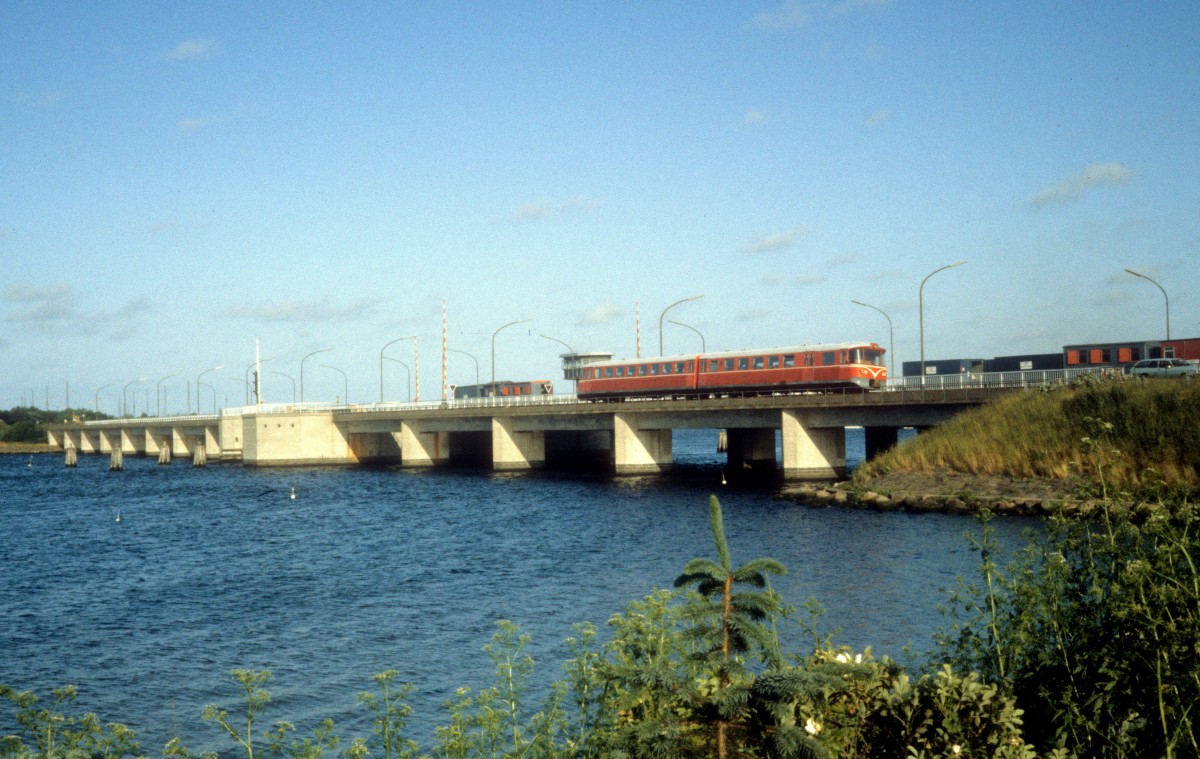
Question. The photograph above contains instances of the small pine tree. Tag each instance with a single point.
(727, 624)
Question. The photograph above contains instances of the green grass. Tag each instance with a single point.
(1135, 434)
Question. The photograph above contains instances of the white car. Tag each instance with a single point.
(1164, 367)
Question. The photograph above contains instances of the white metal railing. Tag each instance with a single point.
(1000, 380)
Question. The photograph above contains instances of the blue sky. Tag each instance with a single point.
(180, 179)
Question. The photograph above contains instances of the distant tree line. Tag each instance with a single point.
(26, 424)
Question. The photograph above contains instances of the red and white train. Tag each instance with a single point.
(849, 366)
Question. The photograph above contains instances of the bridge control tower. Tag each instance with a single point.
(573, 363)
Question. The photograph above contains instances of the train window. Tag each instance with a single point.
(608, 371)
(642, 371)
(789, 360)
(743, 363)
(865, 356)
(809, 359)
(728, 364)
(758, 362)
(666, 368)
(773, 362)
(654, 368)
(679, 367)
(828, 358)
(713, 364)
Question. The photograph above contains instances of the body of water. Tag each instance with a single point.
(365, 570)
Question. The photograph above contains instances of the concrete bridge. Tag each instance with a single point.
(627, 437)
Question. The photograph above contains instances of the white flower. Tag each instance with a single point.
(957, 749)
(842, 658)
(812, 726)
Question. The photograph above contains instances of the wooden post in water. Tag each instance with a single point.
(72, 456)
(164, 451)
(200, 456)
(116, 461)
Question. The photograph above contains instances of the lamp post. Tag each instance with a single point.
(214, 392)
(664, 313)
(921, 310)
(519, 321)
(703, 349)
(345, 383)
(289, 378)
(381, 350)
(321, 350)
(409, 371)
(1166, 300)
(891, 338)
(468, 355)
(246, 375)
(201, 374)
(570, 351)
(102, 387)
(125, 394)
(158, 392)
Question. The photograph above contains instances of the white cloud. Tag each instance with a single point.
(191, 50)
(302, 311)
(536, 210)
(190, 125)
(602, 314)
(878, 117)
(810, 279)
(1073, 187)
(793, 15)
(22, 292)
(776, 241)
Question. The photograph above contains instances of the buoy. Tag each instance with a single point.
(723, 477)
(118, 516)
(293, 492)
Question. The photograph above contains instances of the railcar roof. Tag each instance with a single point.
(736, 354)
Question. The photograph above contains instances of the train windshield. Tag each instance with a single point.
(866, 356)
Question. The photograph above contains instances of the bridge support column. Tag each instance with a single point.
(516, 450)
(812, 453)
(179, 443)
(89, 442)
(109, 439)
(879, 439)
(752, 449)
(419, 448)
(637, 451)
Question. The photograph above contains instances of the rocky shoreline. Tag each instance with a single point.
(947, 493)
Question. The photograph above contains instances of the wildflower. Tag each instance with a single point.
(957, 749)
(812, 726)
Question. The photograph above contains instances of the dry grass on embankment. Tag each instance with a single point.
(6, 447)
(1141, 433)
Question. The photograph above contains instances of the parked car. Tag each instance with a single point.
(1164, 367)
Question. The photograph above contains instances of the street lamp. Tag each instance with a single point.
(246, 375)
(345, 383)
(206, 371)
(321, 350)
(289, 379)
(381, 350)
(519, 321)
(125, 396)
(664, 313)
(570, 352)
(703, 349)
(468, 355)
(102, 387)
(891, 338)
(158, 392)
(921, 310)
(1166, 300)
(409, 371)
